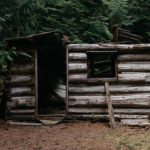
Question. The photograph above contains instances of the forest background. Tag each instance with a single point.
(84, 21)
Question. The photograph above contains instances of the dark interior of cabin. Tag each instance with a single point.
(51, 81)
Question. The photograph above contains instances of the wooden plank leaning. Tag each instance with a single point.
(109, 104)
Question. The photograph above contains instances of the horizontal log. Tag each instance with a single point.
(135, 122)
(86, 89)
(77, 77)
(133, 57)
(20, 80)
(22, 91)
(118, 47)
(134, 77)
(77, 67)
(129, 100)
(18, 69)
(78, 56)
(91, 110)
(83, 78)
(124, 77)
(105, 116)
(134, 67)
(22, 111)
(21, 116)
(24, 123)
(22, 102)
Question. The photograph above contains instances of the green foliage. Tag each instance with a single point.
(7, 57)
(83, 20)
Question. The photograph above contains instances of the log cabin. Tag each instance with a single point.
(102, 81)
(119, 73)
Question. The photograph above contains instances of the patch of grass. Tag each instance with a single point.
(126, 138)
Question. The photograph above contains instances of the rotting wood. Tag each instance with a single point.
(126, 101)
(134, 67)
(23, 69)
(95, 110)
(118, 47)
(133, 57)
(21, 116)
(20, 80)
(109, 105)
(78, 56)
(126, 32)
(24, 123)
(136, 122)
(77, 67)
(22, 91)
(89, 89)
(129, 37)
(22, 102)
(22, 111)
(134, 76)
(105, 116)
(124, 77)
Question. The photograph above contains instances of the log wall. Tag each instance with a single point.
(22, 88)
(130, 90)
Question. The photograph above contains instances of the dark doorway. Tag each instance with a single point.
(51, 81)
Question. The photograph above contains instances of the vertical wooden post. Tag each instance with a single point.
(109, 104)
(67, 84)
(115, 33)
(36, 81)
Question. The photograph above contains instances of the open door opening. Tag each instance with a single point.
(51, 81)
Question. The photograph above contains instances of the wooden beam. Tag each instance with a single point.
(108, 47)
(109, 104)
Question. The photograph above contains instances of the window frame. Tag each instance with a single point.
(114, 61)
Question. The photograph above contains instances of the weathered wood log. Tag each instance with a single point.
(126, 101)
(24, 123)
(133, 57)
(135, 122)
(134, 67)
(118, 47)
(134, 77)
(77, 76)
(105, 116)
(89, 89)
(124, 77)
(21, 116)
(83, 78)
(22, 102)
(91, 110)
(126, 32)
(22, 80)
(22, 111)
(77, 67)
(22, 91)
(109, 105)
(23, 69)
(86, 89)
(78, 56)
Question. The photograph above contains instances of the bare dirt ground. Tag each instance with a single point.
(73, 136)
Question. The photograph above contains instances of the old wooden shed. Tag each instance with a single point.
(34, 83)
(126, 70)
(88, 74)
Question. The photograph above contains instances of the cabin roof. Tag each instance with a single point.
(45, 39)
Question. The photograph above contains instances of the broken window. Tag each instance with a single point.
(101, 64)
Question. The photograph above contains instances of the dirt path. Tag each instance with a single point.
(74, 136)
